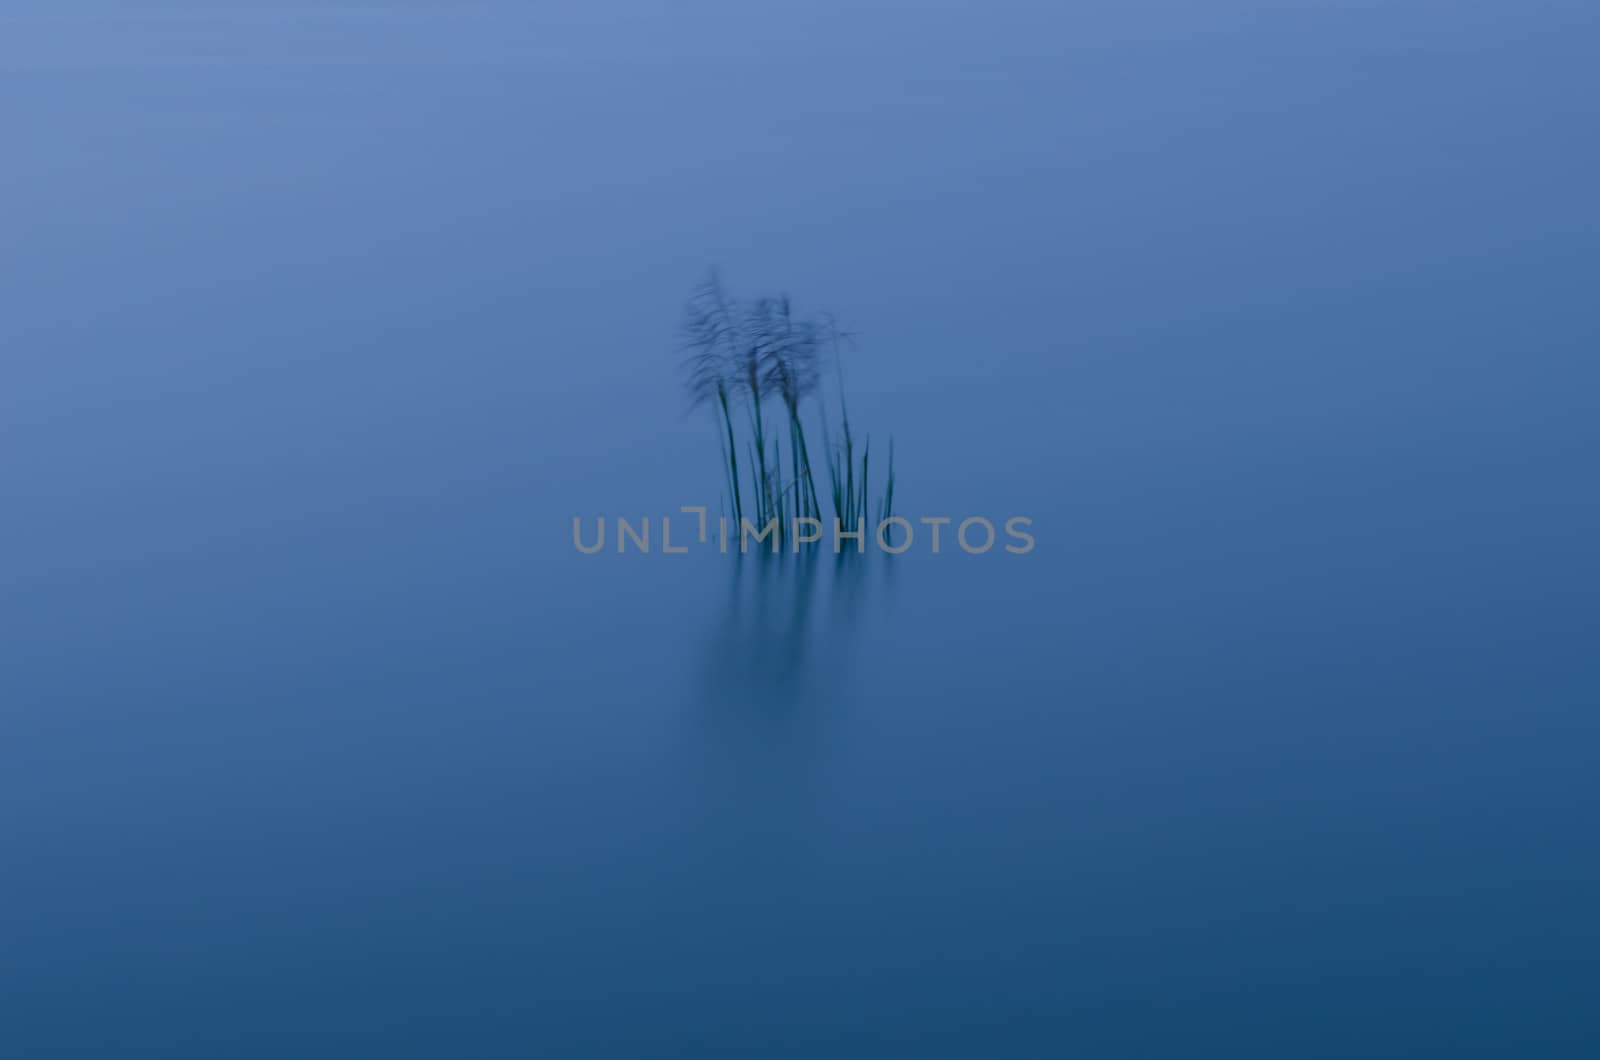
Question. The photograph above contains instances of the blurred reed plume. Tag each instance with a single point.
(741, 355)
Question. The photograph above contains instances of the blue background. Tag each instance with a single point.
(319, 323)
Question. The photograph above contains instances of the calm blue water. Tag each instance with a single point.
(320, 323)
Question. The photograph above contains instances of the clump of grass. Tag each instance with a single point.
(743, 354)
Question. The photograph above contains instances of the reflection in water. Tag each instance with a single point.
(789, 628)
(778, 681)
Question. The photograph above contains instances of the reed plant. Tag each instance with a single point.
(741, 355)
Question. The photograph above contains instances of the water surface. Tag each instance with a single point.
(319, 324)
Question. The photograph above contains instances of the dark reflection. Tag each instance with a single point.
(789, 625)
